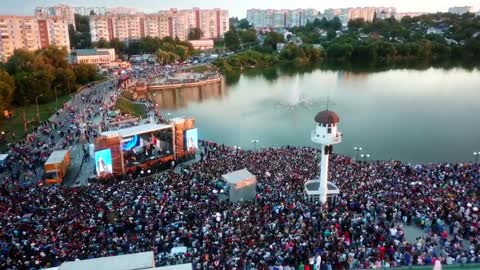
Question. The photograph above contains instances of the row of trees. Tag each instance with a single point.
(168, 48)
(44, 73)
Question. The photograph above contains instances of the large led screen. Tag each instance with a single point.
(131, 142)
(103, 162)
(191, 137)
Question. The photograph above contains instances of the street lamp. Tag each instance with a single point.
(255, 141)
(476, 154)
(358, 149)
(56, 97)
(38, 111)
(365, 156)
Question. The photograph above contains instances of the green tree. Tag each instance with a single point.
(85, 73)
(244, 24)
(103, 43)
(182, 52)
(195, 33)
(232, 40)
(331, 34)
(248, 36)
(119, 46)
(272, 39)
(336, 24)
(162, 57)
(7, 90)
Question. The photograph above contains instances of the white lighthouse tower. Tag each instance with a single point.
(326, 134)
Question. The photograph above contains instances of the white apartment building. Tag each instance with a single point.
(279, 18)
(58, 11)
(461, 10)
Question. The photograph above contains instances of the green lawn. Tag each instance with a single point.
(15, 124)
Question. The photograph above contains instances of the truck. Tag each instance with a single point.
(56, 167)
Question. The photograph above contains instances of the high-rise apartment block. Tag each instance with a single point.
(59, 11)
(368, 14)
(31, 33)
(173, 23)
(461, 10)
(277, 18)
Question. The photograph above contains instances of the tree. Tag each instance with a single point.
(356, 24)
(162, 57)
(232, 40)
(272, 39)
(336, 24)
(7, 89)
(85, 73)
(195, 33)
(118, 46)
(103, 43)
(331, 34)
(248, 36)
(244, 24)
(182, 52)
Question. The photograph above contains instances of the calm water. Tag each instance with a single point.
(409, 115)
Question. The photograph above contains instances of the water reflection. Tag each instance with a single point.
(405, 114)
(173, 99)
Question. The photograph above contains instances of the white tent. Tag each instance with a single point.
(243, 185)
(137, 261)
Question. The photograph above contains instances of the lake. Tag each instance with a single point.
(427, 115)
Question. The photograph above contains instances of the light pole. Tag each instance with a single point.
(476, 154)
(358, 149)
(255, 141)
(56, 97)
(38, 111)
(365, 156)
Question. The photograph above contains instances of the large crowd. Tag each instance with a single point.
(44, 226)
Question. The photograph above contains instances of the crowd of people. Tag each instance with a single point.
(44, 226)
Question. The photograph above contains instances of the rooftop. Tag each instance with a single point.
(85, 52)
(130, 131)
(237, 176)
(56, 157)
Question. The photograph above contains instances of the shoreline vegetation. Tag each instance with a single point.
(428, 40)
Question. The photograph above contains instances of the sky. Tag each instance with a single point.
(236, 7)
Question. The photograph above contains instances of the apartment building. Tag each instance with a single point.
(279, 18)
(399, 16)
(174, 23)
(56, 29)
(100, 27)
(58, 11)
(18, 32)
(31, 33)
(461, 10)
(128, 26)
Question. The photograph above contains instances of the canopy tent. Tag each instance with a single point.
(242, 185)
(3, 157)
(137, 261)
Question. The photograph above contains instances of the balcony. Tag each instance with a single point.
(328, 140)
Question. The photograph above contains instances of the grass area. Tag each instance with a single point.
(126, 106)
(201, 69)
(15, 124)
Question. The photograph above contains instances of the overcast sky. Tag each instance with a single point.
(236, 7)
